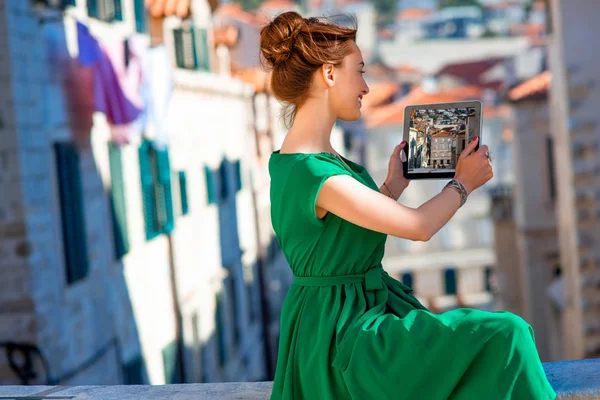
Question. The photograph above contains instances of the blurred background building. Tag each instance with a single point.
(135, 236)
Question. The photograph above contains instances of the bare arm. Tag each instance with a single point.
(351, 200)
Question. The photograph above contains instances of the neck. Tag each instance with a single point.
(312, 127)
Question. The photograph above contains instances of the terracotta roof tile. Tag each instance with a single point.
(413, 13)
(536, 86)
(166, 8)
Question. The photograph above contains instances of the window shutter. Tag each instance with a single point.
(211, 193)
(165, 198)
(141, 25)
(134, 372)
(72, 213)
(450, 281)
(117, 201)
(148, 199)
(201, 44)
(183, 193)
(170, 356)
(238, 175)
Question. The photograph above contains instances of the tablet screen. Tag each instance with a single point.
(437, 135)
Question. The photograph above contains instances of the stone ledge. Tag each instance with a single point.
(574, 380)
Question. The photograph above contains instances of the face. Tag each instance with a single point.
(348, 86)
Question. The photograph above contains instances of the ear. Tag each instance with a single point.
(328, 71)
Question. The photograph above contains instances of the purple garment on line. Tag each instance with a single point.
(114, 83)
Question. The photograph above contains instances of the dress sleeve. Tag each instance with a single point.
(306, 179)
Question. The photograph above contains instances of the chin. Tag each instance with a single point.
(351, 116)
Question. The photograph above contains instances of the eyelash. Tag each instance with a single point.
(363, 72)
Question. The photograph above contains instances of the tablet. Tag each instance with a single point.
(436, 134)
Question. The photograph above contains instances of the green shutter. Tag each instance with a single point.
(450, 281)
(183, 193)
(118, 13)
(201, 49)
(170, 356)
(68, 3)
(211, 193)
(140, 16)
(134, 372)
(148, 197)
(165, 210)
(238, 175)
(72, 213)
(92, 7)
(117, 201)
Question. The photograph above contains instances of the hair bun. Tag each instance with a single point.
(277, 39)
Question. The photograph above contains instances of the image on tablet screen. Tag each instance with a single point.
(437, 137)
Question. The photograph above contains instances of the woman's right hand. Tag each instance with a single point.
(473, 168)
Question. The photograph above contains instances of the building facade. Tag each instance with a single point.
(129, 255)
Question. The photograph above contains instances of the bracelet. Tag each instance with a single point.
(390, 192)
(456, 185)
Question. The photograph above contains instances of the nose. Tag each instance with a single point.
(366, 89)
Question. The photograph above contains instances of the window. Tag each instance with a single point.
(488, 272)
(221, 322)
(117, 201)
(551, 167)
(450, 281)
(225, 181)
(407, 279)
(105, 10)
(191, 48)
(56, 3)
(155, 173)
(71, 211)
(232, 300)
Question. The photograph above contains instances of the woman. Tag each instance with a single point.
(349, 330)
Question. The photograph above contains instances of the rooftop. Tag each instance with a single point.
(535, 87)
(571, 380)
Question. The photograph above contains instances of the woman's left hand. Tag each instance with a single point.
(395, 181)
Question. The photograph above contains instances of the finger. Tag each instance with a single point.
(483, 150)
(398, 148)
(470, 148)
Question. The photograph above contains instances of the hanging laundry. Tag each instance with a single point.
(116, 83)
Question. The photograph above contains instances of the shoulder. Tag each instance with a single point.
(304, 163)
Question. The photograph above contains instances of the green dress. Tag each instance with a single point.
(350, 331)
